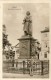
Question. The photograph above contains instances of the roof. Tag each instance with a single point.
(37, 41)
(45, 30)
(16, 46)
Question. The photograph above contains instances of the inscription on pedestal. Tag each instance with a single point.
(24, 48)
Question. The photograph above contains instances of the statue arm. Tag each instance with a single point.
(24, 21)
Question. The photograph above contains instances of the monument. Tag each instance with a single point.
(26, 42)
(27, 24)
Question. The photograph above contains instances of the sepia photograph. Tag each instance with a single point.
(25, 40)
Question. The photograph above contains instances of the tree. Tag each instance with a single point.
(5, 37)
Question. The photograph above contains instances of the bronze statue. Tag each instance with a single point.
(27, 24)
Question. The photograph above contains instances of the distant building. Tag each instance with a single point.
(37, 49)
(45, 44)
(16, 50)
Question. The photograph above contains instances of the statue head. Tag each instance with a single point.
(27, 13)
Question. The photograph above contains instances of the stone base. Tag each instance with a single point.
(25, 46)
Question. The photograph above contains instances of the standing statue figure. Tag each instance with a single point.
(27, 24)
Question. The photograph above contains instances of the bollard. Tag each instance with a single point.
(31, 67)
(41, 67)
(23, 67)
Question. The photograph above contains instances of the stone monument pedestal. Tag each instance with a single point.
(26, 45)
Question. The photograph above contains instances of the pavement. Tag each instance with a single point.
(15, 75)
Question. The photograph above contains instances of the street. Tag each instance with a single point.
(14, 75)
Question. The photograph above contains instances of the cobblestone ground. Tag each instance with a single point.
(14, 75)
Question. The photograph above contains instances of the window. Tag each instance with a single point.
(45, 55)
(45, 35)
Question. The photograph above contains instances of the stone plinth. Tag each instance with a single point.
(25, 47)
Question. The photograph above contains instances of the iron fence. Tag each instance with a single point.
(39, 67)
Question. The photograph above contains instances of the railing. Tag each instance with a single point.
(39, 67)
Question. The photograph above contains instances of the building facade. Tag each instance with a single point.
(45, 44)
(16, 50)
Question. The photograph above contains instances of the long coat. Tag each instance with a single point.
(27, 25)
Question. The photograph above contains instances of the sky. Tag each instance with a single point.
(14, 13)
